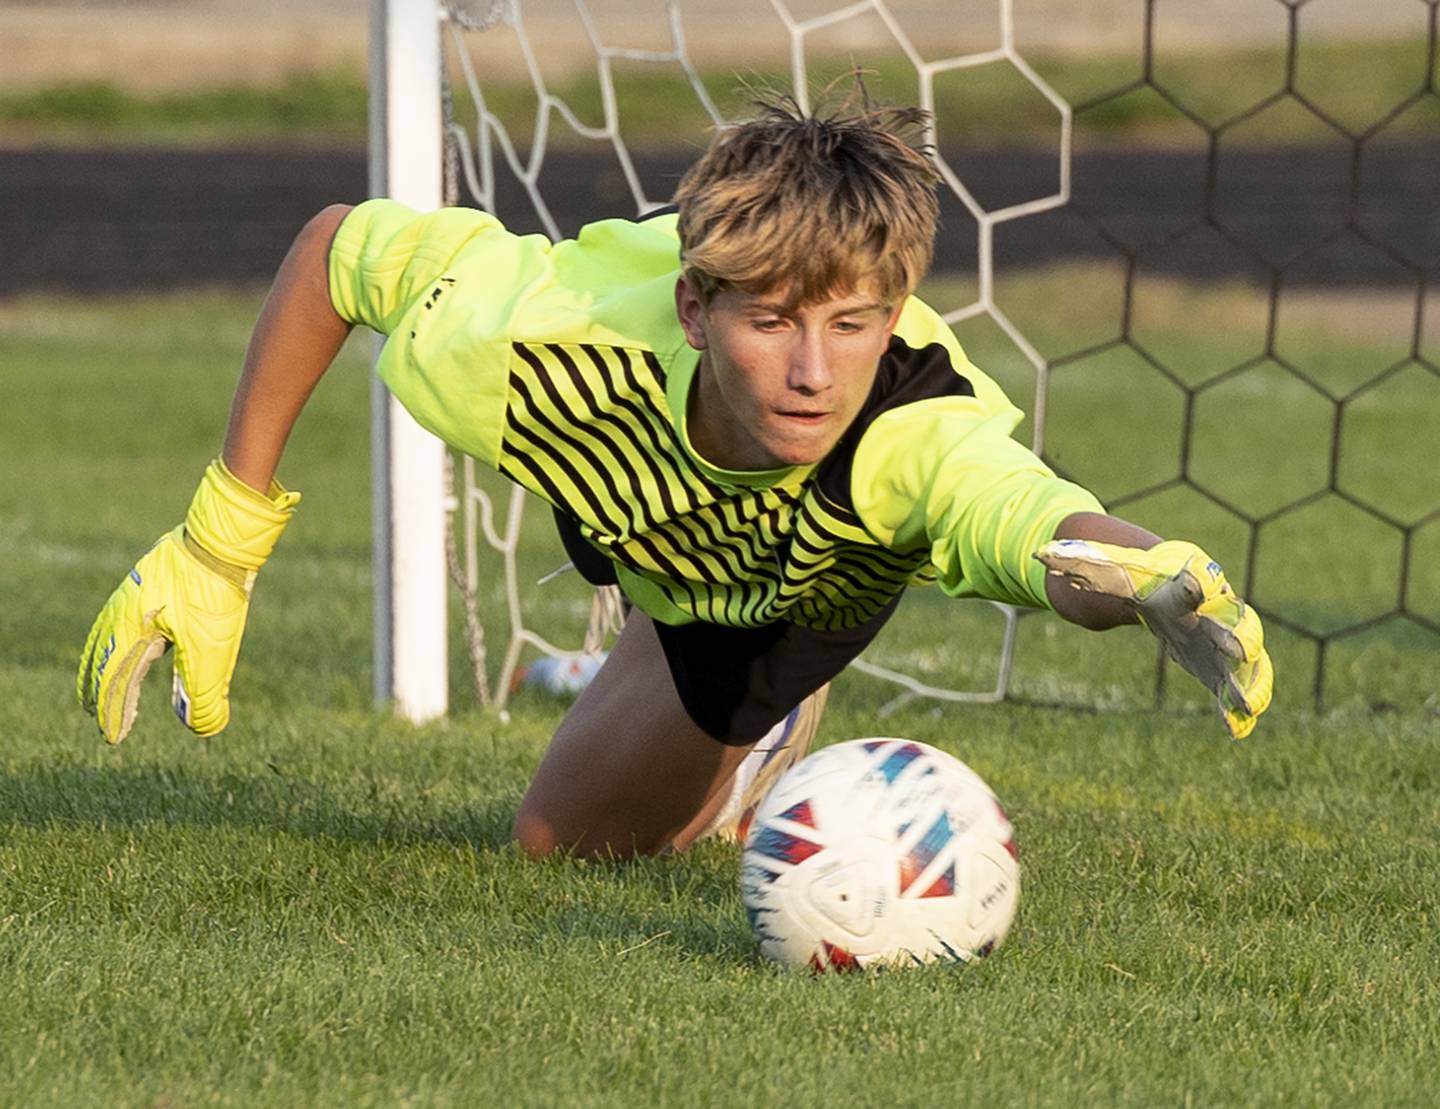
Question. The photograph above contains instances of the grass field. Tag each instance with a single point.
(320, 906)
(1356, 83)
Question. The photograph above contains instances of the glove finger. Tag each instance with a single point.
(119, 693)
(1252, 690)
(1238, 725)
(207, 717)
(86, 680)
(1224, 610)
(1250, 632)
(1224, 640)
(1233, 700)
(110, 637)
(1251, 682)
(200, 692)
(206, 627)
(1260, 688)
(1174, 602)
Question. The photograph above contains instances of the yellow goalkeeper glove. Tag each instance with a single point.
(192, 591)
(1182, 596)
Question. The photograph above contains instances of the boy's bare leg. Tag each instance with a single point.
(628, 771)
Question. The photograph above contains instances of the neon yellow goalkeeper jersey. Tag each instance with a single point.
(564, 367)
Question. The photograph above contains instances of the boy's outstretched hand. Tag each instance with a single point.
(190, 591)
(1181, 595)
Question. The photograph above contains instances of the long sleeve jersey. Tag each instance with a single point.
(564, 367)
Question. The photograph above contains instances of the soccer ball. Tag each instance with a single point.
(879, 851)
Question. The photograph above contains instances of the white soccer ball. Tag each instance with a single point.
(879, 851)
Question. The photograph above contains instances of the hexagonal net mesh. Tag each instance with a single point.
(1196, 242)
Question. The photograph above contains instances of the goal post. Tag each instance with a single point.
(408, 465)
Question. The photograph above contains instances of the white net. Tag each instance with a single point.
(506, 158)
(1167, 228)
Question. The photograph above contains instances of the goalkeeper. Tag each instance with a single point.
(741, 417)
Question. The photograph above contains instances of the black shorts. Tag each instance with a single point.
(738, 683)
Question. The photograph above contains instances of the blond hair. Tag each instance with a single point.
(814, 205)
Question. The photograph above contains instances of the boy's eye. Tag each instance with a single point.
(769, 323)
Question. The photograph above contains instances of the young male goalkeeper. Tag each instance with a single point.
(740, 415)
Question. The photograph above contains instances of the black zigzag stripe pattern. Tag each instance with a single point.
(588, 430)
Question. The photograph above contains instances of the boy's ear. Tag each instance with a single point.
(691, 311)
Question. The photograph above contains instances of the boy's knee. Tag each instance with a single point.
(540, 836)
(536, 836)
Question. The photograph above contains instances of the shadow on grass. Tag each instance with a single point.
(136, 796)
(666, 901)
(101, 797)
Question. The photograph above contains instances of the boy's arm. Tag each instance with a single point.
(944, 474)
(296, 338)
(1000, 525)
(191, 591)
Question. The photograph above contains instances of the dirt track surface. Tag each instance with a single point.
(119, 219)
(114, 220)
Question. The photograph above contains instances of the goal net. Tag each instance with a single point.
(1167, 232)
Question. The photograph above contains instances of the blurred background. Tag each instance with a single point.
(242, 118)
(1228, 329)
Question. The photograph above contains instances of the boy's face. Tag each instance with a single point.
(778, 386)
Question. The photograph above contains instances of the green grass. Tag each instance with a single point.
(320, 906)
(1357, 84)
(321, 107)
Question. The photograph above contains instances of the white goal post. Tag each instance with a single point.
(408, 465)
